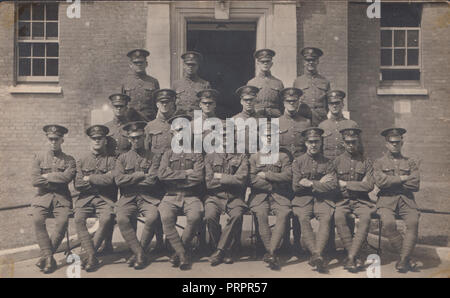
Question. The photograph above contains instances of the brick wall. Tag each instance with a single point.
(92, 62)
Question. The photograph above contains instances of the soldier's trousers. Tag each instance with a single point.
(411, 218)
(271, 241)
(169, 209)
(105, 214)
(47, 244)
(323, 212)
(225, 238)
(127, 214)
(363, 212)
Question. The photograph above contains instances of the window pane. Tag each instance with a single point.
(399, 57)
(52, 11)
(38, 49)
(38, 30)
(24, 29)
(24, 67)
(399, 38)
(413, 38)
(38, 11)
(400, 14)
(24, 12)
(386, 38)
(413, 57)
(52, 50)
(386, 57)
(38, 67)
(400, 74)
(52, 67)
(24, 49)
(52, 29)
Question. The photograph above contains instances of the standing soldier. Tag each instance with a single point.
(355, 179)
(398, 177)
(136, 175)
(139, 86)
(270, 192)
(226, 180)
(292, 123)
(98, 192)
(314, 183)
(182, 173)
(268, 101)
(117, 141)
(314, 86)
(51, 173)
(333, 144)
(188, 86)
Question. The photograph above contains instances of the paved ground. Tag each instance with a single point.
(114, 266)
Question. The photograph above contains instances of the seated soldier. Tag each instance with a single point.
(270, 192)
(354, 173)
(226, 181)
(51, 173)
(182, 174)
(98, 192)
(314, 183)
(136, 175)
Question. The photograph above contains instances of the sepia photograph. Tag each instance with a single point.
(225, 139)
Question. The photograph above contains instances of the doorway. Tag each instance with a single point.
(227, 49)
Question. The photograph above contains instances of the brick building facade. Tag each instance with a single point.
(92, 61)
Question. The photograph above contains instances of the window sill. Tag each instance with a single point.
(35, 89)
(401, 90)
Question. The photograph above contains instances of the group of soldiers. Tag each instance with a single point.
(131, 171)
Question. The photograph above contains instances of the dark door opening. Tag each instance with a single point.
(227, 49)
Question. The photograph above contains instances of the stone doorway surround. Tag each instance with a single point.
(166, 33)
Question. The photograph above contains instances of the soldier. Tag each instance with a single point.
(333, 144)
(158, 139)
(182, 173)
(117, 141)
(355, 179)
(268, 101)
(139, 86)
(51, 173)
(98, 192)
(292, 123)
(398, 177)
(314, 183)
(270, 192)
(188, 86)
(314, 86)
(226, 179)
(136, 175)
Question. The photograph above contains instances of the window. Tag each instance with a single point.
(400, 42)
(37, 48)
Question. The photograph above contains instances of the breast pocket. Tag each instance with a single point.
(129, 170)
(88, 171)
(284, 138)
(145, 166)
(174, 163)
(343, 174)
(276, 167)
(388, 171)
(360, 173)
(404, 170)
(46, 170)
(218, 166)
(188, 162)
(321, 171)
(234, 166)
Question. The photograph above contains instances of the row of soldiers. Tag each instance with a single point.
(321, 172)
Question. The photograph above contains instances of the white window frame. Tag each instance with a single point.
(406, 47)
(18, 40)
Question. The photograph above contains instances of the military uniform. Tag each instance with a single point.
(332, 138)
(316, 200)
(396, 196)
(291, 126)
(315, 88)
(225, 195)
(272, 193)
(117, 141)
(357, 172)
(53, 195)
(140, 87)
(136, 175)
(97, 195)
(268, 100)
(188, 87)
(181, 198)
